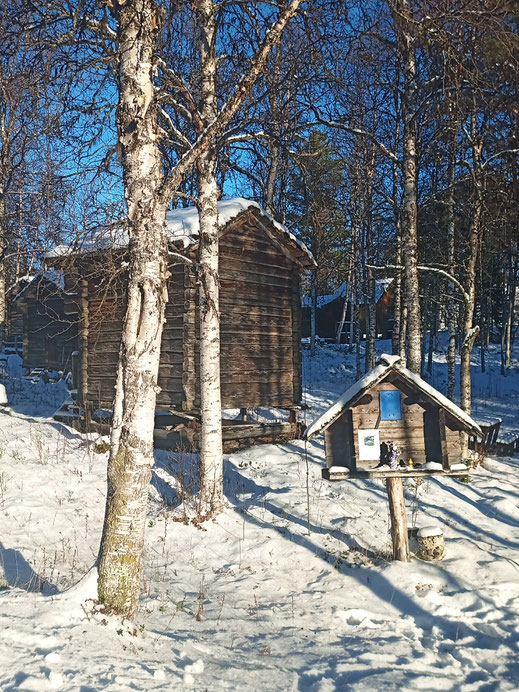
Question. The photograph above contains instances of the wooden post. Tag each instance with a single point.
(395, 494)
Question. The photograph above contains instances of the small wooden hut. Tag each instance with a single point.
(392, 408)
(260, 267)
(49, 333)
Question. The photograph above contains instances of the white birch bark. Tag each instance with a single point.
(148, 197)
(131, 453)
(400, 12)
(451, 304)
(470, 331)
(211, 466)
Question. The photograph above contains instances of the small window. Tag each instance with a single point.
(390, 405)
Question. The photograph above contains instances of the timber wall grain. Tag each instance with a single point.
(50, 336)
(259, 296)
(259, 329)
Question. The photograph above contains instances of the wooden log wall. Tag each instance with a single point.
(50, 336)
(177, 338)
(106, 306)
(407, 433)
(260, 357)
(259, 327)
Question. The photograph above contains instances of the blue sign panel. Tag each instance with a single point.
(390, 405)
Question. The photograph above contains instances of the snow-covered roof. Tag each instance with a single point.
(306, 301)
(383, 368)
(183, 230)
(381, 286)
(53, 276)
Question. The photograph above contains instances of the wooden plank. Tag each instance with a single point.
(236, 311)
(403, 473)
(281, 379)
(338, 443)
(275, 362)
(259, 260)
(251, 430)
(257, 322)
(255, 278)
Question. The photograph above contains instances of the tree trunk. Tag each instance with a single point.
(131, 452)
(211, 450)
(400, 539)
(313, 310)
(410, 209)
(344, 313)
(3, 286)
(451, 304)
(470, 331)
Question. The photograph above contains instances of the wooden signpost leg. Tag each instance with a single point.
(395, 494)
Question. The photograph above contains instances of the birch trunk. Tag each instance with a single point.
(371, 305)
(344, 313)
(470, 331)
(400, 12)
(451, 305)
(211, 451)
(131, 453)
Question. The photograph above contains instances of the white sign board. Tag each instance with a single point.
(369, 445)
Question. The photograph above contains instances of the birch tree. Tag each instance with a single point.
(148, 195)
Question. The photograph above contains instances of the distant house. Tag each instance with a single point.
(260, 327)
(392, 408)
(330, 308)
(49, 330)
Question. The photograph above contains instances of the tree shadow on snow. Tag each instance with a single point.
(17, 572)
(372, 578)
(235, 484)
(176, 477)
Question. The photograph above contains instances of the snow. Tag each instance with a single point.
(381, 286)
(54, 276)
(287, 601)
(183, 229)
(433, 466)
(429, 531)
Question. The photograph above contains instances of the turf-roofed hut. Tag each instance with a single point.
(260, 265)
(392, 423)
(49, 318)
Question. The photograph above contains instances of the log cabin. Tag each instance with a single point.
(14, 324)
(330, 308)
(49, 333)
(391, 408)
(260, 265)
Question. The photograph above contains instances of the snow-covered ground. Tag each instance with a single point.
(290, 588)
